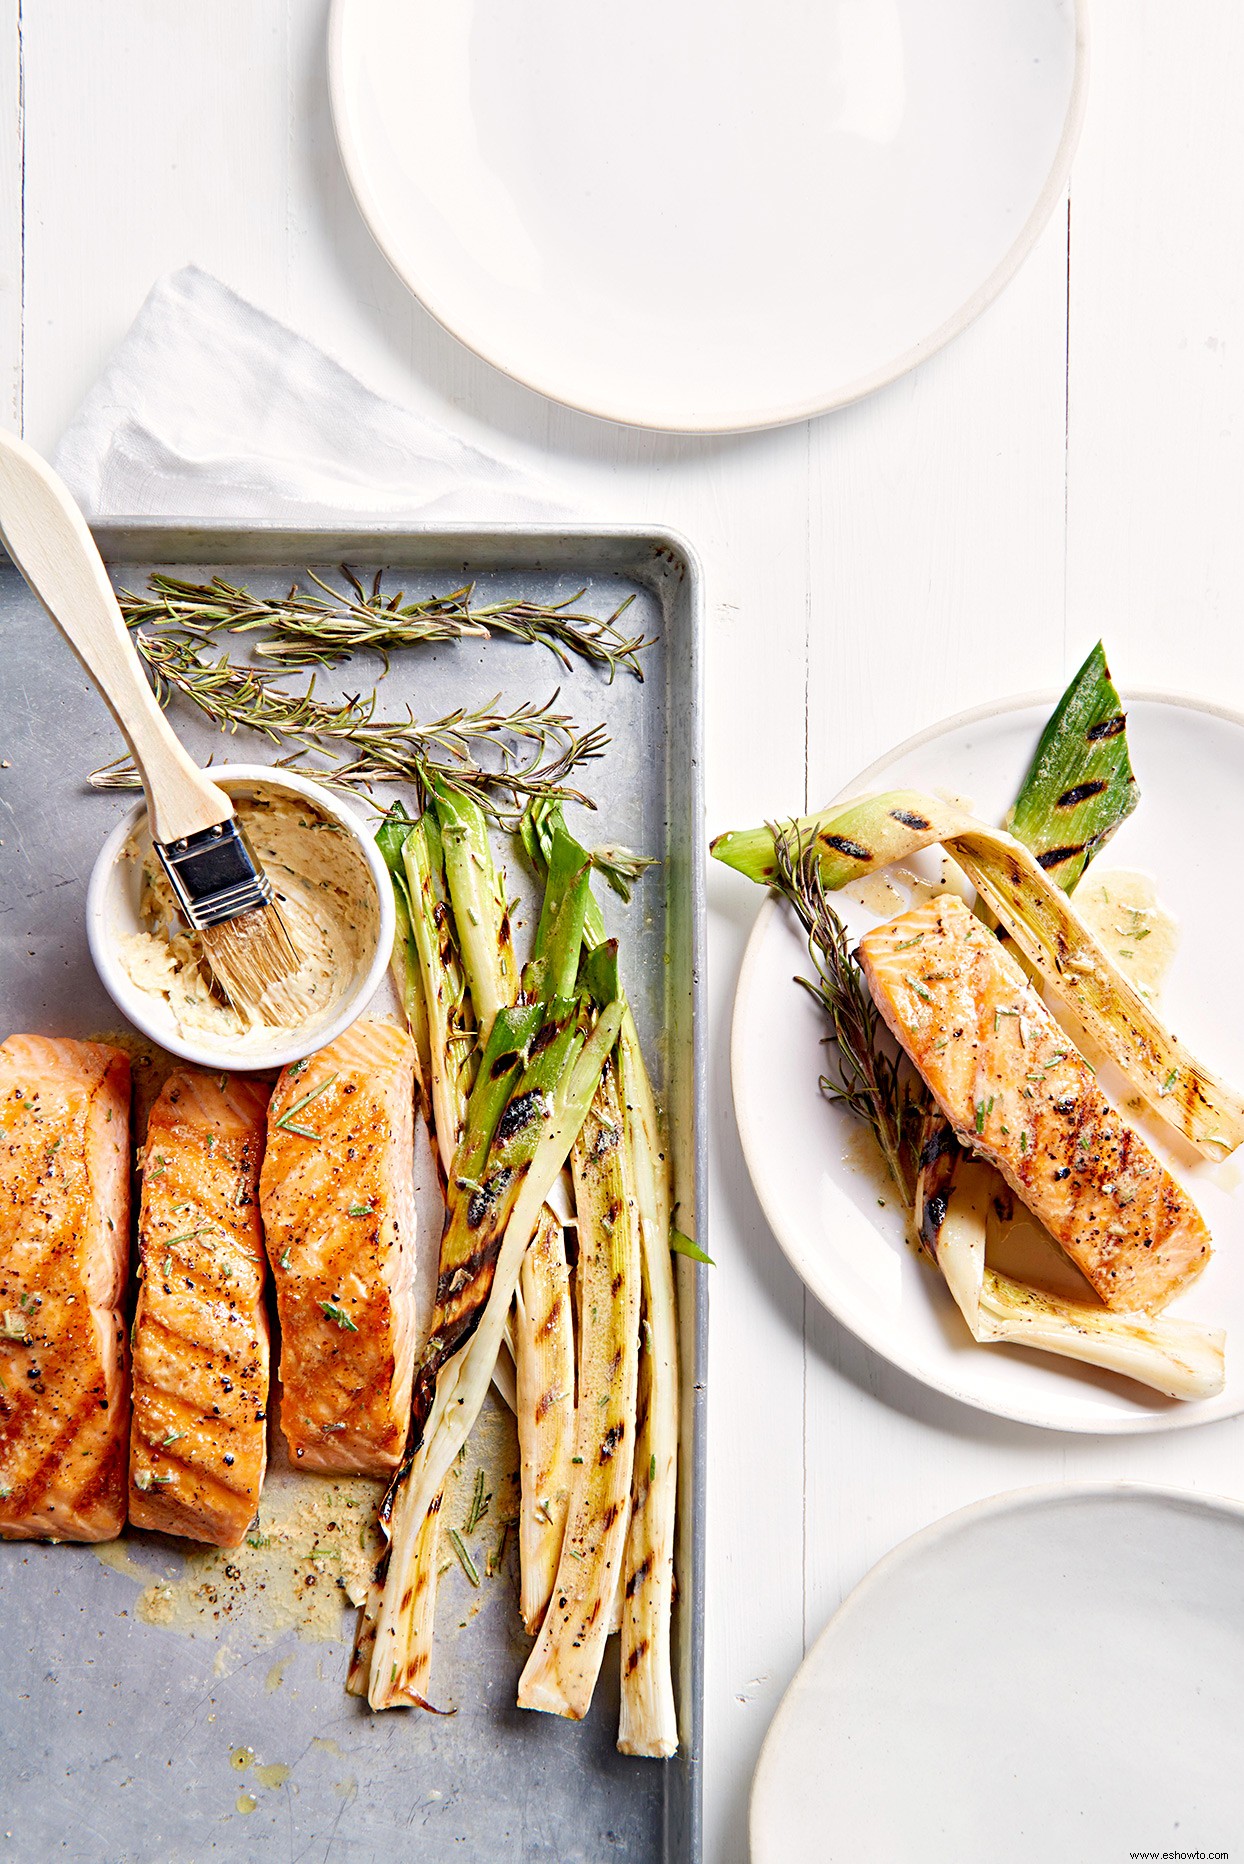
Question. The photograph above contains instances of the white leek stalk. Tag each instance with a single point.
(560, 1674)
(648, 1723)
(1178, 1357)
(544, 1362)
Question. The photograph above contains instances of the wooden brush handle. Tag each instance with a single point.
(47, 537)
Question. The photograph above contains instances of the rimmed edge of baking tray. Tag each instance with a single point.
(665, 562)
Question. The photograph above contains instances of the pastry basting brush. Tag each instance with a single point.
(220, 887)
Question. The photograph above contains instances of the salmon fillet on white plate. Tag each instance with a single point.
(64, 1253)
(200, 1345)
(337, 1192)
(1018, 1093)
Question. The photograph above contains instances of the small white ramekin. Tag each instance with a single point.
(112, 913)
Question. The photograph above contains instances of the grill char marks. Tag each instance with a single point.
(1081, 793)
(1051, 858)
(842, 844)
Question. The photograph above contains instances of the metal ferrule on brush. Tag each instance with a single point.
(215, 875)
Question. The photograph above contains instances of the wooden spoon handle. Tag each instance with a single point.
(47, 537)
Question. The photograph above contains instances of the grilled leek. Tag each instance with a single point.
(870, 833)
(561, 1672)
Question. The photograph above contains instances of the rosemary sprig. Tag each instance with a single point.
(870, 1082)
(369, 749)
(321, 625)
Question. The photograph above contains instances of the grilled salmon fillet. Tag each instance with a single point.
(200, 1348)
(337, 1192)
(1017, 1093)
(64, 1255)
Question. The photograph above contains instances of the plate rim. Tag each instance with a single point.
(945, 1527)
(802, 1258)
(737, 420)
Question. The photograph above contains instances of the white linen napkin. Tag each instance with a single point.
(209, 408)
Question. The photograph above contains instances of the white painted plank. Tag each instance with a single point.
(11, 209)
(1156, 483)
(937, 583)
(155, 135)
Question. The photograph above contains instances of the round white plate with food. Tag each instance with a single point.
(1007, 1684)
(816, 1169)
(701, 222)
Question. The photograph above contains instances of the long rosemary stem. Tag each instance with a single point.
(322, 625)
(870, 1083)
(534, 747)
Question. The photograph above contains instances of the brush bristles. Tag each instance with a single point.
(253, 958)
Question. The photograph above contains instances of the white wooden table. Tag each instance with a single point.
(1072, 466)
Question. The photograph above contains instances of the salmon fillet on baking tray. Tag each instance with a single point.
(337, 1193)
(64, 1248)
(198, 1443)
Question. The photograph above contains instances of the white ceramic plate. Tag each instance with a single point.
(706, 220)
(806, 1159)
(1057, 1674)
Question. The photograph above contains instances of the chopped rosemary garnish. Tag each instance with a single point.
(332, 1312)
(479, 1504)
(464, 1559)
(286, 1121)
(360, 1210)
(492, 1565)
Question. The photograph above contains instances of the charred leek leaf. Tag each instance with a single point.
(1080, 785)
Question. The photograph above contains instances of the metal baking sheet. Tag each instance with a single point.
(119, 1735)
